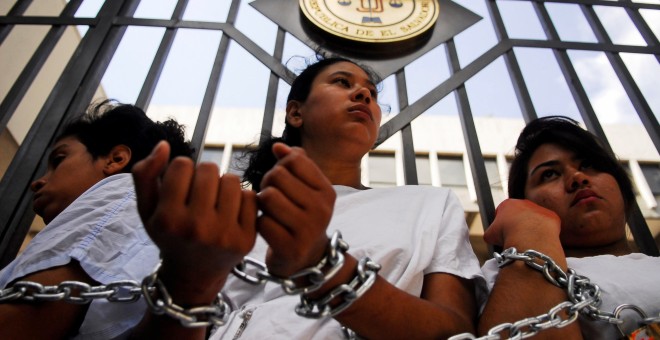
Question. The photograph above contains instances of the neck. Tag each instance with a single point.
(617, 248)
(343, 174)
(339, 172)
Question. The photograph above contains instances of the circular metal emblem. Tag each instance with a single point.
(372, 21)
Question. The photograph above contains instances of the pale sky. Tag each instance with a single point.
(244, 81)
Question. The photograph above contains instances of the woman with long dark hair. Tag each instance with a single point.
(402, 268)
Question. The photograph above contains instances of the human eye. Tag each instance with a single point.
(55, 160)
(343, 81)
(586, 164)
(548, 174)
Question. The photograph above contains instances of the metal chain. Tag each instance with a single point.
(160, 302)
(367, 271)
(72, 291)
(316, 276)
(584, 299)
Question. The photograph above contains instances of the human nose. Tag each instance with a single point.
(38, 184)
(577, 180)
(362, 94)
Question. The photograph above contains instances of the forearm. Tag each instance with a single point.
(385, 311)
(521, 291)
(40, 320)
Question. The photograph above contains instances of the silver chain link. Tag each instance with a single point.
(160, 302)
(584, 298)
(367, 271)
(316, 276)
(72, 292)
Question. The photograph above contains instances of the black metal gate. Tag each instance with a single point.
(82, 75)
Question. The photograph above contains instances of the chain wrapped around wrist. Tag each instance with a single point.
(583, 295)
(160, 302)
(367, 272)
(314, 276)
(317, 276)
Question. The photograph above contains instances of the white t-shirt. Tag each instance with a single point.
(630, 279)
(411, 231)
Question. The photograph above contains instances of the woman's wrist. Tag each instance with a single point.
(188, 289)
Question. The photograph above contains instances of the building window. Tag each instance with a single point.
(652, 174)
(382, 170)
(493, 173)
(237, 161)
(451, 171)
(423, 165)
(212, 154)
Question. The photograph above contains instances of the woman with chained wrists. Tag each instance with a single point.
(569, 199)
(309, 187)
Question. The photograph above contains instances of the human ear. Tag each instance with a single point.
(293, 115)
(117, 159)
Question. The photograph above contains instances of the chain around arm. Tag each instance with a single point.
(584, 298)
(160, 302)
(316, 276)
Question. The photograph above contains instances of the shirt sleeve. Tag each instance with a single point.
(453, 252)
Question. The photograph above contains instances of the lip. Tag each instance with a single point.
(361, 109)
(583, 194)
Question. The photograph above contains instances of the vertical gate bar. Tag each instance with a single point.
(271, 95)
(512, 65)
(18, 9)
(32, 68)
(409, 165)
(204, 115)
(634, 93)
(31, 155)
(478, 167)
(92, 78)
(149, 85)
(641, 25)
(637, 223)
(570, 75)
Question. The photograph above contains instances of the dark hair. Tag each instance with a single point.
(261, 159)
(566, 133)
(109, 123)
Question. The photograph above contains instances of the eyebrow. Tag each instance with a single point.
(351, 75)
(542, 165)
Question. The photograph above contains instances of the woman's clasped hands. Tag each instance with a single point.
(204, 224)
